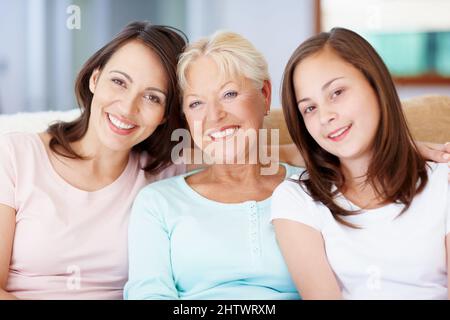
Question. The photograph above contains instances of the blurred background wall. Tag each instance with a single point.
(40, 54)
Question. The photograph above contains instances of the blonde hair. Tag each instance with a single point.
(234, 55)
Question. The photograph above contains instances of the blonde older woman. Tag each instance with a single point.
(206, 234)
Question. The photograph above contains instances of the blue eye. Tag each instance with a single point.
(194, 104)
(230, 94)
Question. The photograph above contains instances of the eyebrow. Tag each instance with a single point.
(324, 87)
(131, 80)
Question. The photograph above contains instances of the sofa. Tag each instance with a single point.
(428, 118)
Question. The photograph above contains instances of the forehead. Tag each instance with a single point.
(139, 60)
(205, 74)
(321, 67)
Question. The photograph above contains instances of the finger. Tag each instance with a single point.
(446, 156)
(447, 147)
(436, 156)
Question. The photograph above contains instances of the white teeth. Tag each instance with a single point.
(223, 133)
(337, 134)
(119, 124)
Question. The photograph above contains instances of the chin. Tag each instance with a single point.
(349, 154)
(115, 145)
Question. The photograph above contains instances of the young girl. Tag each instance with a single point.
(369, 218)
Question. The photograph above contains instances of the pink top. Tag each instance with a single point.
(68, 243)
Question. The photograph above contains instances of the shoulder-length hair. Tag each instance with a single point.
(397, 171)
(167, 43)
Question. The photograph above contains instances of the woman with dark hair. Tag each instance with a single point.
(374, 215)
(66, 194)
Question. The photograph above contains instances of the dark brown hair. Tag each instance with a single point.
(167, 43)
(397, 171)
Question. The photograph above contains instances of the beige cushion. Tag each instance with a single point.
(428, 118)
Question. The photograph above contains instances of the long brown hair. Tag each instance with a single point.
(397, 171)
(167, 43)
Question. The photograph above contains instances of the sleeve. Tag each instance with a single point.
(150, 271)
(291, 202)
(7, 173)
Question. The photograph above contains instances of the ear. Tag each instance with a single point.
(266, 90)
(93, 80)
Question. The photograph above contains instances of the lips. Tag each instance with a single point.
(340, 133)
(222, 133)
(120, 125)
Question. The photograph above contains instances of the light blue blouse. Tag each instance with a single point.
(185, 246)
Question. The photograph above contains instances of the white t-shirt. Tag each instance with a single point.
(391, 257)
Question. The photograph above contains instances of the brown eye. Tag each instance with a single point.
(337, 93)
(152, 98)
(118, 82)
(309, 109)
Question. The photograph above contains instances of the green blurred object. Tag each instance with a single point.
(442, 55)
(405, 54)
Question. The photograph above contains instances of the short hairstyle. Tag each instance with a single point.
(234, 55)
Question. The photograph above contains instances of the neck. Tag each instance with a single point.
(354, 170)
(356, 187)
(235, 173)
(101, 161)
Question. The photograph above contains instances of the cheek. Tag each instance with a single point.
(103, 93)
(195, 127)
(370, 116)
(152, 117)
(313, 127)
(254, 119)
(375, 114)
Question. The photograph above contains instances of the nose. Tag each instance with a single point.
(215, 111)
(326, 115)
(129, 105)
